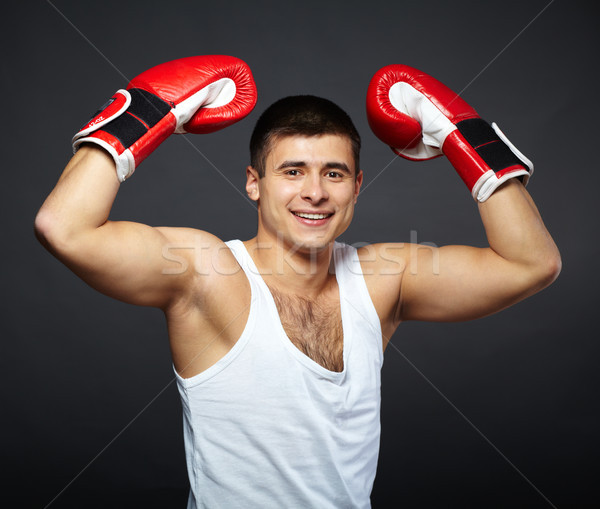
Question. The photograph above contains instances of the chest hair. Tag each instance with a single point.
(315, 328)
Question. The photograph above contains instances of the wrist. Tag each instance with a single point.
(128, 127)
(484, 158)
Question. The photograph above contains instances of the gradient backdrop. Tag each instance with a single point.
(500, 412)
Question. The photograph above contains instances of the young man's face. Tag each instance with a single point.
(307, 195)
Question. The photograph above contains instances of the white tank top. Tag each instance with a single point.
(268, 427)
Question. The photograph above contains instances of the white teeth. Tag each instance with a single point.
(311, 216)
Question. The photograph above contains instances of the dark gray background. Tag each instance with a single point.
(500, 412)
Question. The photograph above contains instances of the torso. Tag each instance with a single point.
(203, 328)
(314, 327)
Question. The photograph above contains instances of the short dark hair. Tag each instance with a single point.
(300, 115)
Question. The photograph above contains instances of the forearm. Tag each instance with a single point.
(516, 232)
(421, 118)
(81, 200)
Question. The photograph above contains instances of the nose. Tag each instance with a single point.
(313, 189)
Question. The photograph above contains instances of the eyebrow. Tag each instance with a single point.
(343, 167)
(333, 165)
(291, 164)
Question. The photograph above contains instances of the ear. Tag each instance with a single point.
(357, 183)
(252, 179)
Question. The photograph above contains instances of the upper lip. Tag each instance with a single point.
(324, 212)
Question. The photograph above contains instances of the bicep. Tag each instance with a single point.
(456, 283)
(136, 263)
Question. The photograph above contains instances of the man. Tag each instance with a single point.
(278, 341)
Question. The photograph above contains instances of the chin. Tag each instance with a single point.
(313, 245)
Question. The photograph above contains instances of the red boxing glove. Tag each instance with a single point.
(420, 118)
(191, 95)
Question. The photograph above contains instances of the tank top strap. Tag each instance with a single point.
(247, 264)
(355, 294)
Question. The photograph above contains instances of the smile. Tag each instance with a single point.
(306, 215)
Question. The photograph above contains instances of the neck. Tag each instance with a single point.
(292, 269)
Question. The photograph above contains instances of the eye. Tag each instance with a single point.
(334, 174)
(292, 172)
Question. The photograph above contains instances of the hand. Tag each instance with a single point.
(420, 118)
(197, 95)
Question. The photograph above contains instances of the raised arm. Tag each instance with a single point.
(126, 260)
(420, 119)
(462, 283)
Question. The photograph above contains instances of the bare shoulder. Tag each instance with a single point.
(196, 251)
(213, 274)
(384, 259)
(383, 266)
